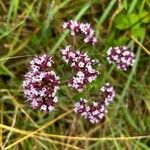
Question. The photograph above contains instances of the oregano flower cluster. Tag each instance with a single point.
(120, 56)
(41, 83)
(98, 109)
(82, 64)
(81, 28)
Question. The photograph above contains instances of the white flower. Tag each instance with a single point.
(44, 107)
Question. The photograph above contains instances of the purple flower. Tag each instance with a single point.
(82, 108)
(108, 93)
(96, 112)
(83, 28)
(82, 64)
(41, 84)
(120, 56)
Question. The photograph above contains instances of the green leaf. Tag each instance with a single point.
(130, 120)
(145, 17)
(138, 31)
(133, 18)
(78, 96)
(2, 71)
(122, 21)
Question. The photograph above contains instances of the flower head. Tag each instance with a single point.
(96, 112)
(108, 93)
(82, 64)
(41, 84)
(83, 28)
(121, 56)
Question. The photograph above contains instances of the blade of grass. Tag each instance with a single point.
(139, 137)
(16, 6)
(40, 143)
(51, 12)
(41, 128)
(115, 141)
(15, 51)
(143, 48)
(1, 129)
(132, 6)
(60, 143)
(21, 108)
(7, 71)
(142, 145)
(105, 14)
(62, 37)
(38, 136)
(126, 87)
(9, 14)
(14, 57)
(13, 124)
(26, 14)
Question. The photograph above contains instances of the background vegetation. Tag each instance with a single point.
(34, 27)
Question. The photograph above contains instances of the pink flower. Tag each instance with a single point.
(97, 111)
(82, 28)
(41, 84)
(120, 56)
(82, 64)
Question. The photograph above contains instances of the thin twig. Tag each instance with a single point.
(146, 51)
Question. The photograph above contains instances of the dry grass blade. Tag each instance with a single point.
(13, 124)
(146, 50)
(41, 128)
(75, 137)
(60, 143)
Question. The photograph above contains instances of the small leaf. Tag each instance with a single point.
(122, 22)
(145, 17)
(138, 31)
(133, 18)
(78, 96)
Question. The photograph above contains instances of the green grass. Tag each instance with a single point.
(28, 28)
